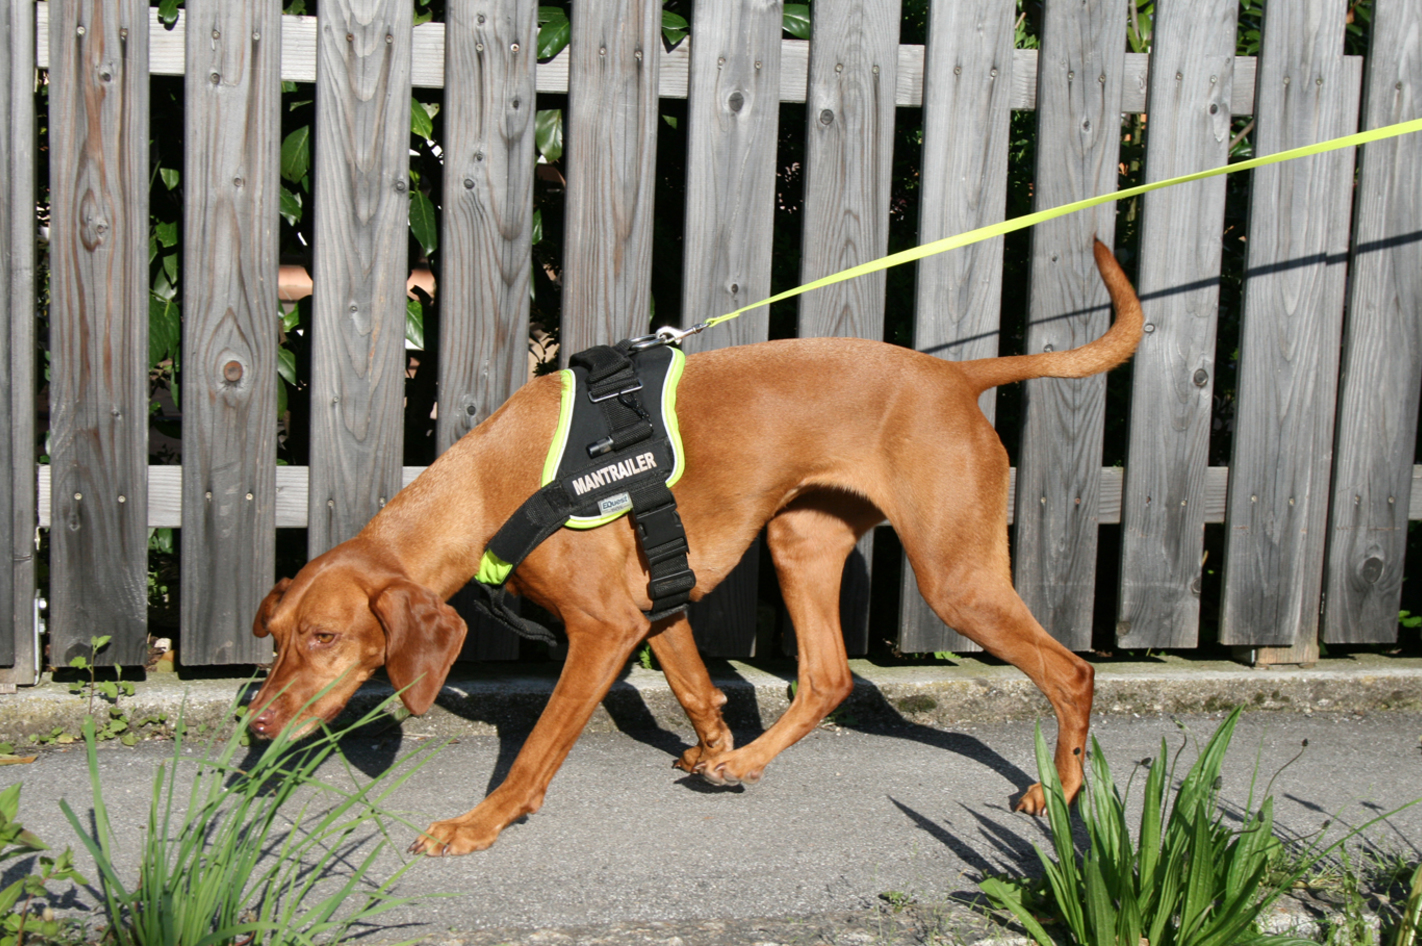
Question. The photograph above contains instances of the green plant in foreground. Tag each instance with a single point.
(227, 869)
(115, 722)
(1190, 879)
(15, 841)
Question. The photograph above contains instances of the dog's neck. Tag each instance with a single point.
(438, 526)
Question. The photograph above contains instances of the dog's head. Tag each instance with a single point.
(338, 621)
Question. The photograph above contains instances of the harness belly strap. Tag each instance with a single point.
(610, 455)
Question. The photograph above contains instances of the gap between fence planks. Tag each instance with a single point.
(299, 65)
(19, 661)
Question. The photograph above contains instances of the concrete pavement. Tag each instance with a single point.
(870, 831)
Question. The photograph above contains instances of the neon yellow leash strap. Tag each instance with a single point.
(1021, 223)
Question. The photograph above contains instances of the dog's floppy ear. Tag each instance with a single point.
(423, 636)
(269, 603)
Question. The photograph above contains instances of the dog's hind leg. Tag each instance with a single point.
(809, 541)
(979, 602)
(686, 675)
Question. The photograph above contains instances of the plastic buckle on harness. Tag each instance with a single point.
(661, 533)
(598, 398)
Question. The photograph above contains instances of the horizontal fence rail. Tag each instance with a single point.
(1319, 488)
(165, 499)
(427, 71)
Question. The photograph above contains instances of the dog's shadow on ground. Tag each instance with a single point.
(375, 748)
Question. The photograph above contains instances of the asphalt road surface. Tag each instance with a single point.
(841, 820)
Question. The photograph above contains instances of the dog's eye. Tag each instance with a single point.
(323, 637)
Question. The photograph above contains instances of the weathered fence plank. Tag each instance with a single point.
(486, 232)
(487, 226)
(230, 261)
(1163, 513)
(98, 329)
(18, 660)
(967, 87)
(611, 156)
(1079, 81)
(361, 264)
(1382, 370)
(733, 118)
(1293, 306)
(849, 157)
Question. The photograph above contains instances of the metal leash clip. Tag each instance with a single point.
(666, 335)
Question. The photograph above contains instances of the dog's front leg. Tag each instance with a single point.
(597, 653)
(686, 675)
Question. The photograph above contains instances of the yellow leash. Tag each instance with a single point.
(672, 335)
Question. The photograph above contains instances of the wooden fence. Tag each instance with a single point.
(1316, 500)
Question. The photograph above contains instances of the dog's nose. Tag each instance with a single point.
(261, 723)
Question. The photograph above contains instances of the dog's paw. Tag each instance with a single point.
(1033, 801)
(451, 838)
(726, 771)
(690, 759)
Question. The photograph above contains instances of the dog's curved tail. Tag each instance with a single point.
(1108, 351)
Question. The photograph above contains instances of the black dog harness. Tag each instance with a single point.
(617, 449)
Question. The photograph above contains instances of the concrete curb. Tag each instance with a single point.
(492, 697)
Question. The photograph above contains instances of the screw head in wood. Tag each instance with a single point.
(1149, 327)
(826, 117)
(1201, 377)
(80, 29)
(122, 498)
(232, 371)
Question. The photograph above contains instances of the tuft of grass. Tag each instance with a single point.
(1188, 880)
(226, 868)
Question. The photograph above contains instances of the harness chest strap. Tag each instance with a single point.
(635, 458)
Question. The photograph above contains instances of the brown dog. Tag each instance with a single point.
(816, 440)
